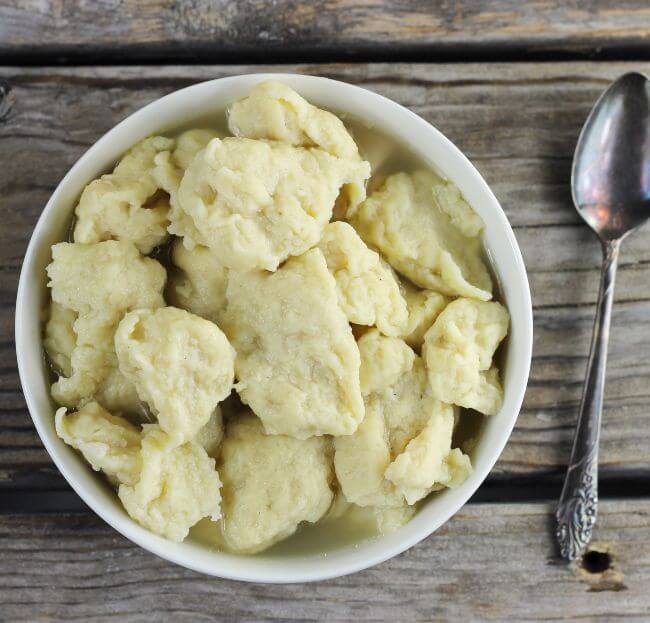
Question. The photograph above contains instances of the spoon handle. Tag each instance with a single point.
(576, 512)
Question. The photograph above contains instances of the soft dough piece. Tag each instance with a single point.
(360, 461)
(126, 204)
(368, 290)
(97, 284)
(297, 361)
(198, 284)
(109, 275)
(421, 236)
(415, 470)
(256, 203)
(60, 339)
(181, 365)
(271, 483)
(109, 443)
(402, 418)
(178, 486)
(93, 365)
(423, 306)
(190, 143)
(458, 349)
(170, 165)
(275, 111)
(383, 361)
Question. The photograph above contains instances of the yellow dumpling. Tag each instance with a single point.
(297, 361)
(60, 339)
(127, 204)
(275, 111)
(423, 306)
(368, 291)
(414, 221)
(397, 454)
(198, 282)
(458, 349)
(255, 203)
(177, 487)
(181, 365)
(97, 284)
(109, 443)
(271, 483)
(383, 361)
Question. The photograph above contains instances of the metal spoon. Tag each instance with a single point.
(610, 184)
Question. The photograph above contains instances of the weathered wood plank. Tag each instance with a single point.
(489, 563)
(517, 122)
(225, 30)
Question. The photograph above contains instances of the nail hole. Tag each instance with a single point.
(596, 562)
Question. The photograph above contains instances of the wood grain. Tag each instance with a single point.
(223, 30)
(517, 122)
(489, 563)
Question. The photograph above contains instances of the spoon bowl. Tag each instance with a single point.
(610, 180)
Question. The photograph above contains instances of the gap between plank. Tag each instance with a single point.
(205, 54)
(496, 490)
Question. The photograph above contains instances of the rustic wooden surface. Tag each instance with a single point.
(224, 30)
(518, 122)
(491, 563)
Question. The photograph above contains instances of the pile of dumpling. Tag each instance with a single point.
(306, 350)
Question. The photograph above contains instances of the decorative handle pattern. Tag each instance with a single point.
(578, 507)
(576, 514)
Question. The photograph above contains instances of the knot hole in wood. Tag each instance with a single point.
(594, 561)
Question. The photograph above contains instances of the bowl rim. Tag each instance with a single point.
(200, 558)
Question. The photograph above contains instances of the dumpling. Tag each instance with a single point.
(97, 284)
(275, 111)
(458, 349)
(190, 143)
(383, 361)
(297, 361)
(60, 340)
(405, 436)
(177, 487)
(271, 483)
(199, 281)
(368, 291)
(109, 443)
(127, 204)
(425, 460)
(103, 277)
(170, 165)
(181, 365)
(256, 203)
(414, 221)
(423, 306)
(361, 460)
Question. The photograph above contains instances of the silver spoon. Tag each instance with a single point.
(610, 184)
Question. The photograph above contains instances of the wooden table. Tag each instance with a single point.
(510, 83)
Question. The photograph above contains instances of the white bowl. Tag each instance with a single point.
(195, 102)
